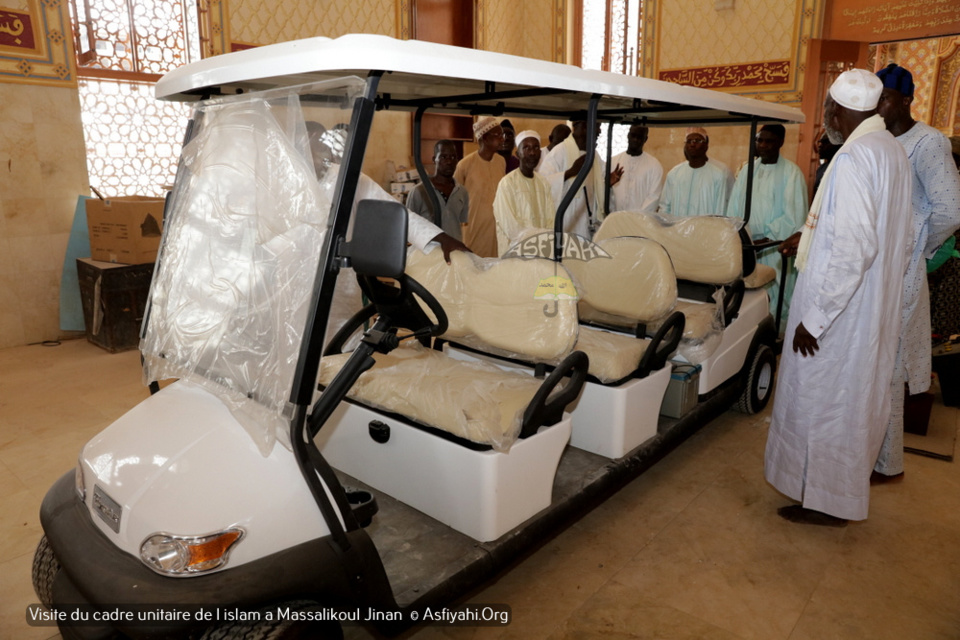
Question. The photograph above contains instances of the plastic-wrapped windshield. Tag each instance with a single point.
(243, 240)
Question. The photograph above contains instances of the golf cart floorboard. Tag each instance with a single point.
(430, 564)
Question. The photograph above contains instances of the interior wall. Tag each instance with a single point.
(42, 171)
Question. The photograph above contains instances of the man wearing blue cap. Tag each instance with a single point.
(936, 215)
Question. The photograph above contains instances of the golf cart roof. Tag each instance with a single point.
(467, 81)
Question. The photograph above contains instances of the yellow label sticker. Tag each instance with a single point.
(556, 288)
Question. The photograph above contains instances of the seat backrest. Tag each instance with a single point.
(635, 280)
(704, 249)
(519, 306)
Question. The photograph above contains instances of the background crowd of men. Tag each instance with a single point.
(857, 336)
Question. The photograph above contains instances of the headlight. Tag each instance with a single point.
(173, 555)
(78, 484)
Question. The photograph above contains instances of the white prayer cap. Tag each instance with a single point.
(857, 89)
(483, 125)
(523, 135)
(698, 131)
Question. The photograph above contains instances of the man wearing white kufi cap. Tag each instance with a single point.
(524, 199)
(833, 391)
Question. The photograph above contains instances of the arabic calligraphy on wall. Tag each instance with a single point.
(872, 21)
(734, 76)
(36, 43)
(17, 32)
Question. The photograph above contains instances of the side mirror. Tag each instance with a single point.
(379, 244)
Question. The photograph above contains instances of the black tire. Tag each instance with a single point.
(759, 381)
(45, 569)
(276, 629)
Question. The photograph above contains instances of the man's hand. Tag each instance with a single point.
(449, 244)
(789, 246)
(574, 168)
(615, 175)
(803, 342)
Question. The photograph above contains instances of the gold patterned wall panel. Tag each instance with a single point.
(35, 43)
(255, 21)
(758, 48)
(532, 28)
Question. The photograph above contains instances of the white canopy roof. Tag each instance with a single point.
(415, 72)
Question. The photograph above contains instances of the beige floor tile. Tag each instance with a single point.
(15, 595)
(691, 549)
(618, 611)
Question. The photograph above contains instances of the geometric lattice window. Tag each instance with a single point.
(610, 41)
(133, 141)
(610, 37)
(123, 47)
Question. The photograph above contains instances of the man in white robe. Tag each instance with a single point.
(936, 215)
(699, 186)
(642, 180)
(524, 199)
(326, 149)
(777, 209)
(561, 167)
(833, 389)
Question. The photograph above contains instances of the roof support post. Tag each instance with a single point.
(579, 179)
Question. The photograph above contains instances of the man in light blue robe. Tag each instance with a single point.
(778, 207)
(699, 186)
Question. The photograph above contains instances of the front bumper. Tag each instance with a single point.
(95, 572)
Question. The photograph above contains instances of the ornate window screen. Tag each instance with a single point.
(610, 41)
(610, 35)
(123, 47)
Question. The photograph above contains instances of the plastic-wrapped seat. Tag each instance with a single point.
(618, 408)
(473, 445)
(711, 256)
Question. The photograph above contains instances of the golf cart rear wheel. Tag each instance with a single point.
(759, 384)
(277, 629)
(45, 569)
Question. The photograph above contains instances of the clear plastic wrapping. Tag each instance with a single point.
(704, 249)
(613, 356)
(524, 308)
(702, 330)
(634, 281)
(242, 240)
(472, 400)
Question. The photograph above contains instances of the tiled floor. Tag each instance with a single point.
(691, 549)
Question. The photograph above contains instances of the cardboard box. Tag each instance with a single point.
(407, 175)
(125, 230)
(403, 187)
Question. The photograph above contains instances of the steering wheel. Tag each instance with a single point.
(433, 329)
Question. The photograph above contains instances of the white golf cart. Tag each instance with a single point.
(239, 501)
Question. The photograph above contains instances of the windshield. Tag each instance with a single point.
(243, 238)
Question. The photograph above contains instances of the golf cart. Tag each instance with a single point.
(243, 501)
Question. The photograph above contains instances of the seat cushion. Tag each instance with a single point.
(760, 276)
(509, 305)
(635, 280)
(475, 401)
(613, 356)
(704, 249)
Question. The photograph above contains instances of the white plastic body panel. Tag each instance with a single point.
(613, 421)
(482, 494)
(180, 463)
(608, 421)
(729, 357)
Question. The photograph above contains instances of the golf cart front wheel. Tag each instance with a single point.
(277, 629)
(45, 569)
(759, 383)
